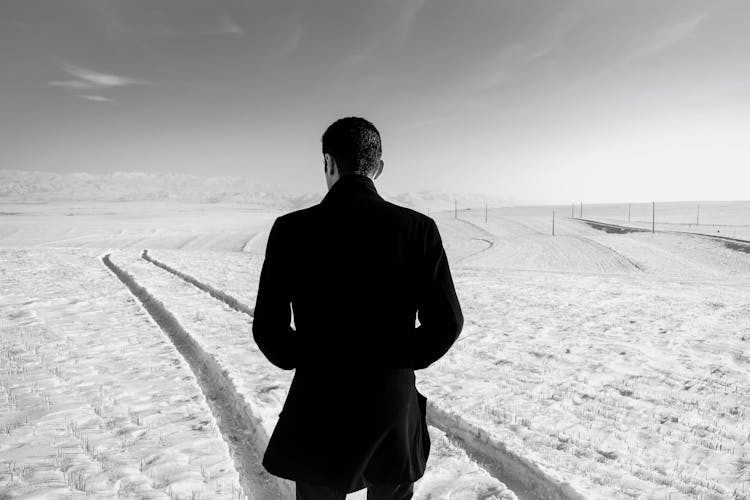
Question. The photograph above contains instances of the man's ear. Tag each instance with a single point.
(334, 167)
(379, 170)
(330, 164)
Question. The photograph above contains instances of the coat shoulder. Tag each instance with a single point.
(297, 217)
(406, 211)
(387, 209)
(408, 215)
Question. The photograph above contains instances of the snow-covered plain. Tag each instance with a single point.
(718, 218)
(94, 399)
(592, 364)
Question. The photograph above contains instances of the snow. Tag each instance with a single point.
(591, 365)
(718, 218)
(38, 186)
(78, 414)
(225, 334)
(136, 225)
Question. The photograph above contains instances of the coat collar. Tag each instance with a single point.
(351, 186)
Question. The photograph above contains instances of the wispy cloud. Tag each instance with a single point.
(393, 33)
(73, 84)
(292, 43)
(511, 61)
(669, 36)
(219, 26)
(504, 66)
(87, 79)
(228, 26)
(96, 98)
(90, 79)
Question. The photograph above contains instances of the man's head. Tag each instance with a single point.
(351, 146)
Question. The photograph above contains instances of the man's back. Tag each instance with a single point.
(356, 271)
(356, 268)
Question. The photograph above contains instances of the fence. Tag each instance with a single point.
(717, 218)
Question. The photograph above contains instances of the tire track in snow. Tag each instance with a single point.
(213, 292)
(252, 240)
(626, 260)
(237, 424)
(608, 248)
(490, 243)
(594, 223)
(523, 477)
(735, 244)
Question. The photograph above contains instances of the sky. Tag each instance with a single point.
(540, 101)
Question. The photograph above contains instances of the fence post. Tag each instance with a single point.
(572, 207)
(485, 213)
(698, 215)
(581, 217)
(653, 217)
(628, 212)
(455, 209)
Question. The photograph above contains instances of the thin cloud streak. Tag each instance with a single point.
(511, 61)
(96, 98)
(669, 36)
(228, 26)
(292, 43)
(87, 79)
(73, 84)
(95, 79)
(393, 33)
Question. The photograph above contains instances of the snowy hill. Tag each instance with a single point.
(22, 185)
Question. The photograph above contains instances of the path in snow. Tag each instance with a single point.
(261, 388)
(237, 424)
(213, 292)
(524, 477)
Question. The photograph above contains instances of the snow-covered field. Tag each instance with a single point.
(592, 364)
(718, 218)
(94, 399)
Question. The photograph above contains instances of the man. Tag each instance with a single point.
(356, 271)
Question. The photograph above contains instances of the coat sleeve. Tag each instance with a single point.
(438, 310)
(271, 320)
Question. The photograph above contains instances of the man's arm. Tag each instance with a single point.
(438, 310)
(271, 320)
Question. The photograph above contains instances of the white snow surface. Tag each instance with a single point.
(614, 365)
(94, 399)
(717, 218)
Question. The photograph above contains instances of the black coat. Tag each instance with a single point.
(356, 269)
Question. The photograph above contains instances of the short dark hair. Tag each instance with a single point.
(355, 144)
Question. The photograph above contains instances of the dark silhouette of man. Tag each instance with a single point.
(356, 270)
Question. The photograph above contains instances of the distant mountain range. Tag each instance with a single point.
(27, 186)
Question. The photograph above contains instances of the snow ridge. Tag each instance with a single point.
(524, 477)
(213, 292)
(239, 426)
